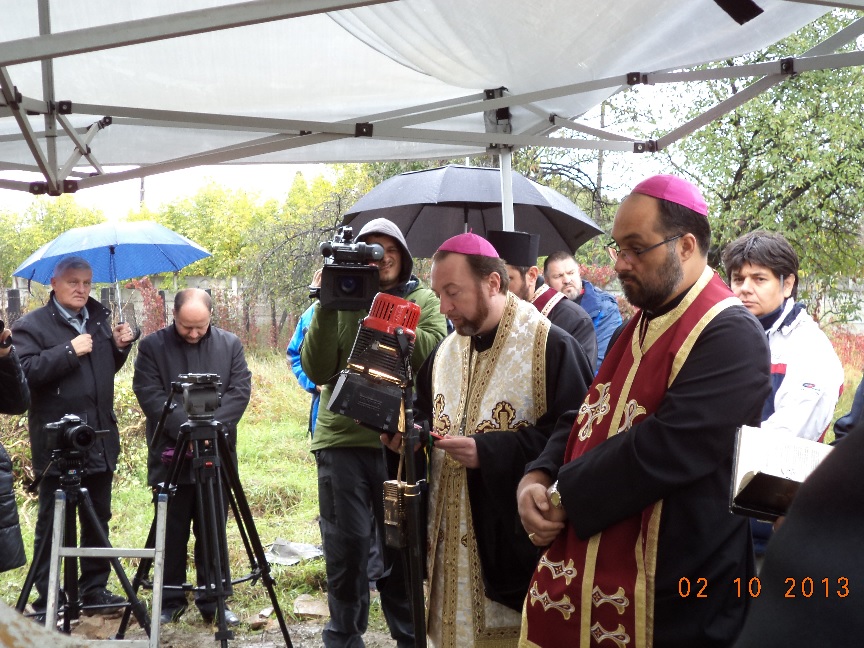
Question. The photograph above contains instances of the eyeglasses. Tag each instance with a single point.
(629, 255)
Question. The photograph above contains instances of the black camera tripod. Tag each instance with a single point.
(216, 478)
(73, 496)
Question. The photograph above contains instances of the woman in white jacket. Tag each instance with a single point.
(806, 374)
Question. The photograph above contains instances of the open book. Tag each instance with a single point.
(768, 469)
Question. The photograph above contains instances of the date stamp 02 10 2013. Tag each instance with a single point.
(805, 587)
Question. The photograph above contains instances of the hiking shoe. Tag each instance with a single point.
(170, 615)
(103, 602)
(231, 619)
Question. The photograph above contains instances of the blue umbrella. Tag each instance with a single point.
(115, 251)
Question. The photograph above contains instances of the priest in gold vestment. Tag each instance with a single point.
(493, 391)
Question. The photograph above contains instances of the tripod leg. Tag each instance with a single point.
(159, 563)
(138, 608)
(210, 540)
(139, 578)
(40, 550)
(54, 574)
(246, 520)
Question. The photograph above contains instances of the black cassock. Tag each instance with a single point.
(507, 556)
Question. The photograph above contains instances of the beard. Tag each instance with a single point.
(471, 326)
(650, 293)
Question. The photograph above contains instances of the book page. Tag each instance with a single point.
(768, 468)
(751, 448)
(794, 458)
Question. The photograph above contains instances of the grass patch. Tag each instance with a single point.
(277, 473)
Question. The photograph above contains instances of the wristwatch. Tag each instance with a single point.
(554, 495)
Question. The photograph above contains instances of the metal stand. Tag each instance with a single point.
(415, 546)
(156, 554)
(67, 501)
(215, 477)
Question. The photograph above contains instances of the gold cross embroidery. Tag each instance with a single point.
(617, 599)
(440, 421)
(558, 569)
(618, 636)
(564, 606)
(631, 411)
(595, 411)
(503, 418)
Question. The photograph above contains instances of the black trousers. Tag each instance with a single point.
(182, 508)
(350, 482)
(93, 571)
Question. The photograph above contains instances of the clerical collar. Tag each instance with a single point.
(768, 320)
(483, 341)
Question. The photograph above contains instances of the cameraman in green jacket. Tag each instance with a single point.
(352, 466)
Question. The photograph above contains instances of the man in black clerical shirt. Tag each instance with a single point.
(520, 251)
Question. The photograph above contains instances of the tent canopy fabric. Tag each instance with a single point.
(89, 84)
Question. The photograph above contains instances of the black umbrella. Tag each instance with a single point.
(432, 205)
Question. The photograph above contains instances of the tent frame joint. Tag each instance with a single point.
(363, 129)
(648, 146)
(42, 188)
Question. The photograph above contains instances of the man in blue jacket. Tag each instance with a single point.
(293, 353)
(561, 272)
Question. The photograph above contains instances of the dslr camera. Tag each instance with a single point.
(348, 282)
(70, 433)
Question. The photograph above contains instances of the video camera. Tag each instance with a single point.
(201, 397)
(348, 282)
(370, 388)
(70, 433)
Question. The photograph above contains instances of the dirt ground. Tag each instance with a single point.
(192, 632)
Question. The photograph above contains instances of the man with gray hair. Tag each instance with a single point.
(70, 353)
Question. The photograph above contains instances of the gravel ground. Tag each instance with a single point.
(194, 633)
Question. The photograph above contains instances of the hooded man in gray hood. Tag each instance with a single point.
(351, 463)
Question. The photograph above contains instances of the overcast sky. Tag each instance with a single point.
(118, 199)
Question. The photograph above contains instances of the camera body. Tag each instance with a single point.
(69, 433)
(370, 388)
(348, 282)
(201, 397)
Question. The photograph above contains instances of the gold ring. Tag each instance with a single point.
(531, 537)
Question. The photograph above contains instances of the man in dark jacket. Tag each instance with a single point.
(14, 399)
(561, 272)
(190, 345)
(70, 354)
(520, 251)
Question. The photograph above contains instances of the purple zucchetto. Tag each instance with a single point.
(469, 243)
(673, 189)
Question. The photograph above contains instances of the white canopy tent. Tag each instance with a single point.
(92, 84)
